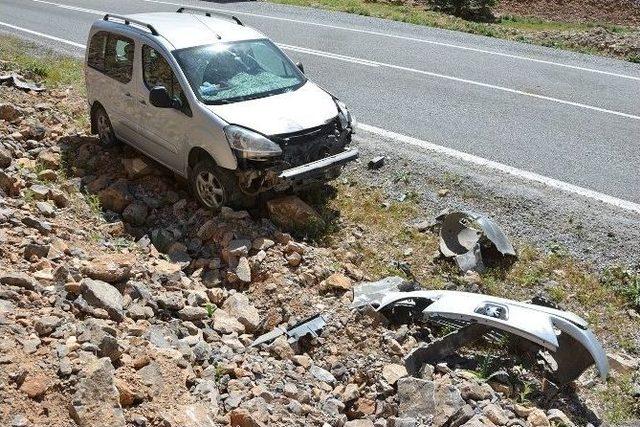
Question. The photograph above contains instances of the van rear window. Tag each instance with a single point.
(112, 54)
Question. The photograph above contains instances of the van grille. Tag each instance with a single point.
(312, 144)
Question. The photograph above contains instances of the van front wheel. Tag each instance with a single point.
(215, 187)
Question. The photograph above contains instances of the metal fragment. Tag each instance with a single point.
(15, 79)
(310, 326)
(472, 240)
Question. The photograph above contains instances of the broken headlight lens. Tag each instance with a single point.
(344, 115)
(249, 144)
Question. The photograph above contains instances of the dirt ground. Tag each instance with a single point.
(620, 12)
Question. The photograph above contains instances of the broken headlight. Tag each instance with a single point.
(344, 115)
(249, 144)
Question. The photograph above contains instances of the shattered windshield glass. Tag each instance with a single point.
(229, 72)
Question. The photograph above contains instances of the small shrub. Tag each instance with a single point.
(210, 309)
(477, 10)
(632, 57)
(94, 203)
(624, 282)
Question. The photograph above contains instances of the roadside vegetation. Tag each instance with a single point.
(477, 17)
(51, 69)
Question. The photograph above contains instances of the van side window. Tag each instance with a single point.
(112, 55)
(96, 50)
(156, 71)
(118, 58)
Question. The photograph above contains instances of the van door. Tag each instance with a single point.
(164, 130)
(109, 71)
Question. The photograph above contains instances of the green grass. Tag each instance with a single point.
(524, 29)
(624, 282)
(93, 201)
(52, 69)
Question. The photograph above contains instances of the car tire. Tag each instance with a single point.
(215, 187)
(103, 127)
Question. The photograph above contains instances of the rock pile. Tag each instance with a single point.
(124, 303)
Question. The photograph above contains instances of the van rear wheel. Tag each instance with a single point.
(215, 187)
(104, 128)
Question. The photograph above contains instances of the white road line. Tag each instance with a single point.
(47, 36)
(76, 8)
(329, 55)
(370, 63)
(490, 164)
(480, 161)
(414, 39)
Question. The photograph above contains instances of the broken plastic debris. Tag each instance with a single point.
(376, 163)
(473, 240)
(309, 326)
(566, 336)
(371, 293)
(15, 79)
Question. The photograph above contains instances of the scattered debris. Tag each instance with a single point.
(372, 293)
(475, 241)
(376, 162)
(574, 349)
(309, 326)
(15, 79)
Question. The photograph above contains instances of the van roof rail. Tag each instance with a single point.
(209, 12)
(129, 21)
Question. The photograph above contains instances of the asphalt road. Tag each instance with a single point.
(571, 117)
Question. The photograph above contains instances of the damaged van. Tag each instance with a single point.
(214, 101)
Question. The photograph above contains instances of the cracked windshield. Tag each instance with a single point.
(225, 73)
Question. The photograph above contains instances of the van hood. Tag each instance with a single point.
(307, 107)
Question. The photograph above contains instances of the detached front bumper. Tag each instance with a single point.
(319, 168)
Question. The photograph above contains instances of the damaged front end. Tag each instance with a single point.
(567, 337)
(298, 158)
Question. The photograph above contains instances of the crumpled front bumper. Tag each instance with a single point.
(320, 167)
(564, 334)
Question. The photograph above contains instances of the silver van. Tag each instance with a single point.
(214, 101)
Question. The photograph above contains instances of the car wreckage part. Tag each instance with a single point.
(310, 326)
(15, 79)
(565, 335)
(319, 166)
(471, 239)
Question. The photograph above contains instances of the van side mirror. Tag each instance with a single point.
(300, 66)
(159, 97)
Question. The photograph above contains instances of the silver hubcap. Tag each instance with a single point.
(104, 130)
(210, 189)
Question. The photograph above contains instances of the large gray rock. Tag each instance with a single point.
(224, 323)
(193, 314)
(102, 295)
(137, 167)
(322, 374)
(97, 401)
(238, 306)
(136, 213)
(448, 402)
(5, 158)
(416, 397)
(21, 280)
(45, 325)
(9, 112)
